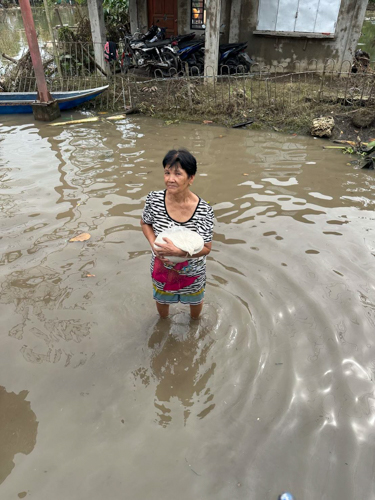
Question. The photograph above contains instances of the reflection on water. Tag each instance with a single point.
(180, 366)
(12, 33)
(36, 293)
(18, 429)
(277, 378)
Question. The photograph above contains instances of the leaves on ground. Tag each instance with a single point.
(81, 237)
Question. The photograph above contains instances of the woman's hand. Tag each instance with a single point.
(168, 249)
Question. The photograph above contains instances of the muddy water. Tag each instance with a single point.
(12, 32)
(272, 390)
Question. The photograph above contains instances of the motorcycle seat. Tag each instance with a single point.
(189, 43)
(160, 43)
(227, 46)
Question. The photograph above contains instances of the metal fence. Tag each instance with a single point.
(274, 88)
(270, 90)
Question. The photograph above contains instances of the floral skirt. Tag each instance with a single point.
(192, 299)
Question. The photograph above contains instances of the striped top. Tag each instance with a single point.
(202, 222)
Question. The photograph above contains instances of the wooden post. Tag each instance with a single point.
(45, 108)
(133, 15)
(57, 12)
(96, 16)
(212, 39)
(32, 40)
(188, 85)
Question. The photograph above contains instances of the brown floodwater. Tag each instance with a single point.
(272, 390)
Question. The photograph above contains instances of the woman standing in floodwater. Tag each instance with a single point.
(178, 206)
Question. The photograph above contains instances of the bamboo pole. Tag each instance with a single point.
(54, 46)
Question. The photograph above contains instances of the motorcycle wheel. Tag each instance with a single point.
(228, 68)
(172, 62)
(243, 67)
(198, 68)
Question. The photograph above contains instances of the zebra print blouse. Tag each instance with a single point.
(202, 221)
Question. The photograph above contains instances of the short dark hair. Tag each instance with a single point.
(184, 158)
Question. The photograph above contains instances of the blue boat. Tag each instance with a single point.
(20, 102)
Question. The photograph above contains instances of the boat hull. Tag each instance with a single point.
(21, 102)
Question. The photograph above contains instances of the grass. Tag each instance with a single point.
(289, 103)
(280, 104)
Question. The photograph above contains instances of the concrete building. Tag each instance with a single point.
(277, 31)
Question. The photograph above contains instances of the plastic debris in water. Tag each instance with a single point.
(286, 496)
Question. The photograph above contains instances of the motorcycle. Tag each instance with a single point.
(149, 50)
(234, 59)
(188, 50)
(156, 56)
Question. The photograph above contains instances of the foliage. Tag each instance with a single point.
(116, 15)
(84, 30)
(116, 11)
(65, 34)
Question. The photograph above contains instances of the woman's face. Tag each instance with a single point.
(176, 179)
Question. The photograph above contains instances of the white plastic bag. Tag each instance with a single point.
(183, 238)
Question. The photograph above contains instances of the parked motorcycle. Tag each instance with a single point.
(153, 51)
(156, 55)
(233, 58)
(149, 50)
(189, 50)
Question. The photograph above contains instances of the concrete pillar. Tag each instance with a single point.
(133, 15)
(96, 16)
(354, 30)
(142, 14)
(212, 40)
(234, 24)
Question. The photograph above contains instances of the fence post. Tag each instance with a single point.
(54, 46)
(188, 85)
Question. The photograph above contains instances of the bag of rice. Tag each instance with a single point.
(182, 238)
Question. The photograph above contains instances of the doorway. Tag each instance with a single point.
(164, 14)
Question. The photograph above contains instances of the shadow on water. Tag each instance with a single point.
(18, 429)
(180, 366)
(36, 292)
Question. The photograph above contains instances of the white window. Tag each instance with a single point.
(298, 16)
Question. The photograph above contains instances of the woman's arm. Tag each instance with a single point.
(149, 233)
(168, 249)
(205, 250)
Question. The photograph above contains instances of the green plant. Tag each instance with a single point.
(65, 34)
(116, 15)
(116, 11)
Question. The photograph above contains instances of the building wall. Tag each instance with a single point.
(276, 50)
(273, 50)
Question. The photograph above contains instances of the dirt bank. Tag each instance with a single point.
(280, 106)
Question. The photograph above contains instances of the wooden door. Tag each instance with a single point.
(164, 14)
